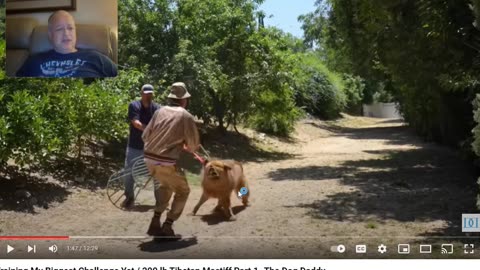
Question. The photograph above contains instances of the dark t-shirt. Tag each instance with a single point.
(83, 64)
(137, 111)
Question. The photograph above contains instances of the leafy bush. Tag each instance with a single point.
(354, 90)
(476, 135)
(317, 89)
(272, 107)
(434, 86)
(325, 99)
(41, 119)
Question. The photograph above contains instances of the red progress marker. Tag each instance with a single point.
(32, 237)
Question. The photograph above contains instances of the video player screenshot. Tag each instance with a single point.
(264, 134)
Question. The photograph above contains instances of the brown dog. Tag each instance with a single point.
(220, 178)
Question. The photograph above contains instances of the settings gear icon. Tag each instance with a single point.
(382, 249)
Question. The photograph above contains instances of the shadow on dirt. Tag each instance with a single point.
(41, 185)
(141, 208)
(231, 145)
(398, 134)
(21, 191)
(218, 217)
(316, 173)
(158, 247)
(429, 183)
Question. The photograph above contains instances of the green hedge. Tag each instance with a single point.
(41, 119)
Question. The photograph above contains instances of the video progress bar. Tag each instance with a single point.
(121, 237)
(34, 237)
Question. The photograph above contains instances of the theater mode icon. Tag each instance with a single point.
(425, 249)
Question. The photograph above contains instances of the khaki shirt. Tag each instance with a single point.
(170, 128)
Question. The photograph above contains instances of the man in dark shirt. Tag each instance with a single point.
(139, 114)
(65, 60)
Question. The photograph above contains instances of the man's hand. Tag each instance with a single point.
(138, 125)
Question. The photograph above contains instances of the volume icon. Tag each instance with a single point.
(53, 248)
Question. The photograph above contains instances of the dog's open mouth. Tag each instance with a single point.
(213, 174)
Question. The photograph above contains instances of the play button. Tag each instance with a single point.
(10, 249)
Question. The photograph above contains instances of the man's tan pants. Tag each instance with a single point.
(171, 180)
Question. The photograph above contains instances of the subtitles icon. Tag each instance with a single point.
(361, 249)
(425, 249)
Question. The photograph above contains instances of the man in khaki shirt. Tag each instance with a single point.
(171, 129)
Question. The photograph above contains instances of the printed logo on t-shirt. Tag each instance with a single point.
(64, 68)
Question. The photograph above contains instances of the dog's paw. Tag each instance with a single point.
(191, 214)
(232, 218)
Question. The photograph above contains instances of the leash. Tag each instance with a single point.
(198, 157)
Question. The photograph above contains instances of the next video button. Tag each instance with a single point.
(470, 222)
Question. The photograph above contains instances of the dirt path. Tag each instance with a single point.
(355, 181)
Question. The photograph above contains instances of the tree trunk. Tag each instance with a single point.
(235, 123)
(219, 109)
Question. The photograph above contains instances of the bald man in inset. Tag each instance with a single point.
(65, 60)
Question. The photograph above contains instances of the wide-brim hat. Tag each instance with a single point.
(178, 90)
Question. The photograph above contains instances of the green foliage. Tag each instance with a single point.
(354, 90)
(219, 50)
(476, 131)
(272, 108)
(318, 90)
(419, 53)
(274, 113)
(2, 19)
(382, 94)
(476, 135)
(147, 36)
(41, 119)
(422, 54)
(237, 70)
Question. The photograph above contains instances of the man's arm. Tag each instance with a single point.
(109, 67)
(134, 116)
(137, 124)
(148, 129)
(192, 139)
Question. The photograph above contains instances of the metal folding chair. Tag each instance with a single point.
(141, 176)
